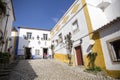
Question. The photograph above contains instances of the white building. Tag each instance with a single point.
(105, 18)
(85, 20)
(34, 42)
(6, 21)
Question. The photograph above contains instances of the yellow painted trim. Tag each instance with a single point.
(57, 27)
(52, 33)
(86, 61)
(64, 58)
(113, 73)
(98, 48)
(65, 19)
(86, 13)
(14, 46)
(61, 57)
(75, 8)
(15, 38)
(95, 36)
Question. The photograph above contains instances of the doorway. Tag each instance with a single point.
(79, 55)
(45, 50)
(28, 53)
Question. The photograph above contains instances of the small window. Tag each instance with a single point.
(56, 41)
(38, 37)
(45, 36)
(114, 48)
(75, 26)
(53, 41)
(39, 42)
(60, 38)
(37, 52)
(24, 37)
(29, 35)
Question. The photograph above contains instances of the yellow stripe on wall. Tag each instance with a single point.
(57, 27)
(75, 8)
(61, 57)
(65, 19)
(64, 58)
(95, 36)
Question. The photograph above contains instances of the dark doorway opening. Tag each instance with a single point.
(79, 55)
(45, 50)
(28, 53)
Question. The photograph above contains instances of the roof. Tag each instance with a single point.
(34, 28)
(109, 24)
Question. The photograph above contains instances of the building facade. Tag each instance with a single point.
(107, 27)
(85, 20)
(33, 43)
(13, 40)
(6, 22)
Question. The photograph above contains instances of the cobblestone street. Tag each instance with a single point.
(50, 69)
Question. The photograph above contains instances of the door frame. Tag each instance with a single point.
(80, 48)
(26, 55)
(45, 52)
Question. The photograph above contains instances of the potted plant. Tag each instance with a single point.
(91, 65)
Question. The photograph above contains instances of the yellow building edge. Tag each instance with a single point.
(97, 47)
(95, 36)
(64, 58)
(113, 73)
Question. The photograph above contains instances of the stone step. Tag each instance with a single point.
(4, 77)
(5, 71)
(4, 74)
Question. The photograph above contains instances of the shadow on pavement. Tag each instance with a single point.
(23, 71)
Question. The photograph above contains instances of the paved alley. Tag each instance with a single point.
(46, 69)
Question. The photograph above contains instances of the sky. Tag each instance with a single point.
(42, 14)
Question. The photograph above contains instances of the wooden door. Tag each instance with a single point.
(79, 55)
(28, 53)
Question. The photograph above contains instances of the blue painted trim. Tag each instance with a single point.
(17, 44)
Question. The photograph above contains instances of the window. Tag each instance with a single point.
(60, 38)
(38, 42)
(38, 37)
(56, 41)
(75, 26)
(37, 52)
(24, 37)
(114, 49)
(45, 36)
(29, 35)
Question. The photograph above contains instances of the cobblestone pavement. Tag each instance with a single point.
(46, 69)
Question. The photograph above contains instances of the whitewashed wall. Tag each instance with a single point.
(33, 44)
(66, 28)
(101, 17)
(109, 33)
(113, 11)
